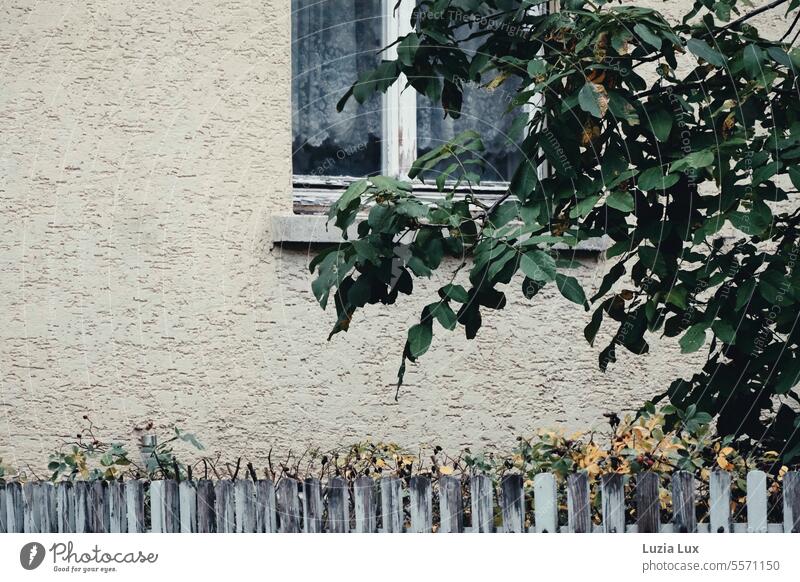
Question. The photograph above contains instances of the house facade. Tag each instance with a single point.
(163, 171)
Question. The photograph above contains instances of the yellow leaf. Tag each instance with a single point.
(602, 98)
(445, 470)
(723, 462)
(497, 81)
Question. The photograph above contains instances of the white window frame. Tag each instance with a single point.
(314, 193)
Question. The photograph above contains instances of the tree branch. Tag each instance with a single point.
(789, 30)
(755, 12)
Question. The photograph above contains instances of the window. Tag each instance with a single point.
(333, 42)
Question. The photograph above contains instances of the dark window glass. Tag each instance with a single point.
(333, 41)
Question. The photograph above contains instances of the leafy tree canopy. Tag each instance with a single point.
(692, 175)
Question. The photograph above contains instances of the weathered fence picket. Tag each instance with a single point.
(421, 504)
(157, 507)
(791, 502)
(338, 506)
(48, 509)
(246, 506)
(134, 503)
(224, 506)
(244, 500)
(612, 501)
(512, 503)
(206, 504)
(313, 509)
(289, 506)
(579, 511)
(187, 494)
(364, 505)
(29, 522)
(65, 507)
(719, 507)
(683, 514)
(648, 504)
(451, 508)
(545, 499)
(117, 510)
(82, 524)
(3, 510)
(15, 508)
(391, 505)
(266, 508)
(482, 503)
(756, 502)
(98, 507)
(172, 507)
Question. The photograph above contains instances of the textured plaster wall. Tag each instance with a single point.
(144, 148)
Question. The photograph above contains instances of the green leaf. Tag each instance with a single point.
(524, 180)
(584, 206)
(794, 176)
(444, 315)
(593, 100)
(454, 292)
(531, 287)
(538, 265)
(647, 36)
(701, 49)
(696, 160)
(614, 274)
(571, 289)
(366, 251)
(622, 201)
(724, 330)
(419, 339)
(354, 192)
(788, 376)
(590, 331)
(677, 297)
(661, 123)
(752, 57)
(744, 292)
(694, 338)
(654, 178)
(756, 221)
(407, 49)
(779, 56)
(723, 11)
(537, 68)
(412, 208)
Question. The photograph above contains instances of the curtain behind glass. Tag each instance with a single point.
(333, 41)
(482, 110)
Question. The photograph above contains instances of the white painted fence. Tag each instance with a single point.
(366, 505)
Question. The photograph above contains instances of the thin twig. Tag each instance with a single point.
(755, 12)
(791, 27)
(236, 472)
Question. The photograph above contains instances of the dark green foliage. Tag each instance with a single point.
(660, 169)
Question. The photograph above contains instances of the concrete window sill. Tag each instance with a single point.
(313, 229)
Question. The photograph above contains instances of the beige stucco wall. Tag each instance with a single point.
(145, 147)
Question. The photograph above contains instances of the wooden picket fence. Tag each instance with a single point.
(378, 506)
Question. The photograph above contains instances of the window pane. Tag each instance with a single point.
(484, 111)
(333, 41)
